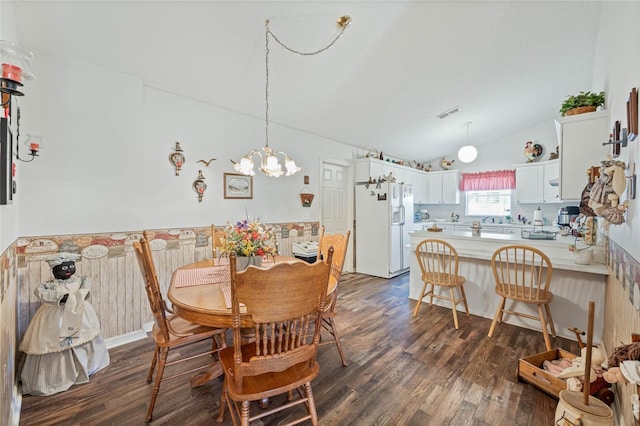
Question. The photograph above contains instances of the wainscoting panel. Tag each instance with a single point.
(117, 290)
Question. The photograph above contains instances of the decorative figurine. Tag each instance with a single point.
(199, 185)
(63, 342)
(177, 158)
(532, 151)
(446, 164)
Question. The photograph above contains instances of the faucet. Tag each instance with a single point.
(484, 219)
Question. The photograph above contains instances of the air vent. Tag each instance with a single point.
(448, 112)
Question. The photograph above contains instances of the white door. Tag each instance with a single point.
(335, 210)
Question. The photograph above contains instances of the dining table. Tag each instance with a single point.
(200, 292)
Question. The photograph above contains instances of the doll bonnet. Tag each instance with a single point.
(60, 258)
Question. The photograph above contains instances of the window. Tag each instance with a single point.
(488, 203)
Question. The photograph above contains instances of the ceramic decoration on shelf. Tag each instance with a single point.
(446, 164)
(532, 151)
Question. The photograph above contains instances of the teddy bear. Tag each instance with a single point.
(614, 375)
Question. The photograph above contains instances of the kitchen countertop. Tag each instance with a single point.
(574, 286)
(483, 246)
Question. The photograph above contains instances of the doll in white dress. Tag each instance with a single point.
(63, 345)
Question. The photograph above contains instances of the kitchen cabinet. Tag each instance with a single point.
(369, 167)
(419, 183)
(580, 139)
(537, 182)
(375, 168)
(443, 187)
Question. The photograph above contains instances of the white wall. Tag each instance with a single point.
(617, 69)
(105, 163)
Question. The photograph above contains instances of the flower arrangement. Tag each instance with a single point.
(247, 238)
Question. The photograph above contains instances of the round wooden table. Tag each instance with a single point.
(205, 304)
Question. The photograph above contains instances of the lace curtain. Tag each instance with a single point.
(488, 181)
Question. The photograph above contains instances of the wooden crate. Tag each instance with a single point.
(530, 370)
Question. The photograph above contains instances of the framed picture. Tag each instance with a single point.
(632, 114)
(238, 186)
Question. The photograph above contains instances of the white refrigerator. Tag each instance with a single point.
(384, 218)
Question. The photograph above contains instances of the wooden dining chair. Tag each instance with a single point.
(170, 331)
(438, 261)
(339, 242)
(523, 274)
(283, 302)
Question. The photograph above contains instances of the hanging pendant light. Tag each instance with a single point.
(269, 163)
(467, 153)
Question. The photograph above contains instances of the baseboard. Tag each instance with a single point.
(123, 339)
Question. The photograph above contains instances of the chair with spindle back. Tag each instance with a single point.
(523, 274)
(170, 331)
(438, 261)
(339, 242)
(283, 302)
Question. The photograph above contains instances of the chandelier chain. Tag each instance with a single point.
(266, 86)
(315, 52)
(266, 63)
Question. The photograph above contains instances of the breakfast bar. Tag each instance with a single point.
(573, 285)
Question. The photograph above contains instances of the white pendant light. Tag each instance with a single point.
(467, 153)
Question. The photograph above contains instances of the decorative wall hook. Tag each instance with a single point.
(617, 139)
(206, 163)
(631, 187)
(177, 158)
(199, 186)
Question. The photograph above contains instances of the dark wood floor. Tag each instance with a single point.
(402, 371)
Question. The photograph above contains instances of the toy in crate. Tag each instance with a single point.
(557, 370)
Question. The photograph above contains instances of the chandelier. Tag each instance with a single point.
(269, 163)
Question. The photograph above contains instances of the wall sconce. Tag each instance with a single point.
(15, 68)
(199, 186)
(33, 143)
(176, 158)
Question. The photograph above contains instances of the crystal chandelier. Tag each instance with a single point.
(269, 163)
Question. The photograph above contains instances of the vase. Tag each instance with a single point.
(242, 262)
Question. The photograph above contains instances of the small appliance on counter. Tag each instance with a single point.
(566, 215)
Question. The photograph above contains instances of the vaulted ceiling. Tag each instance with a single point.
(507, 64)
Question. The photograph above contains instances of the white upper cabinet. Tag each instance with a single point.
(419, 187)
(537, 182)
(428, 187)
(369, 167)
(580, 139)
(443, 187)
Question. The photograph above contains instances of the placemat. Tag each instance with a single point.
(226, 291)
(200, 276)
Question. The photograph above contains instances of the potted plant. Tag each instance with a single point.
(581, 103)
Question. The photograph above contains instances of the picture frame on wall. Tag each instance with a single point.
(632, 114)
(238, 186)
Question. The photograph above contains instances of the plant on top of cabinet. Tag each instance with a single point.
(581, 103)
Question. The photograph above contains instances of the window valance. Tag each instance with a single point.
(488, 181)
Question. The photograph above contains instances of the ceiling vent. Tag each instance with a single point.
(448, 112)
